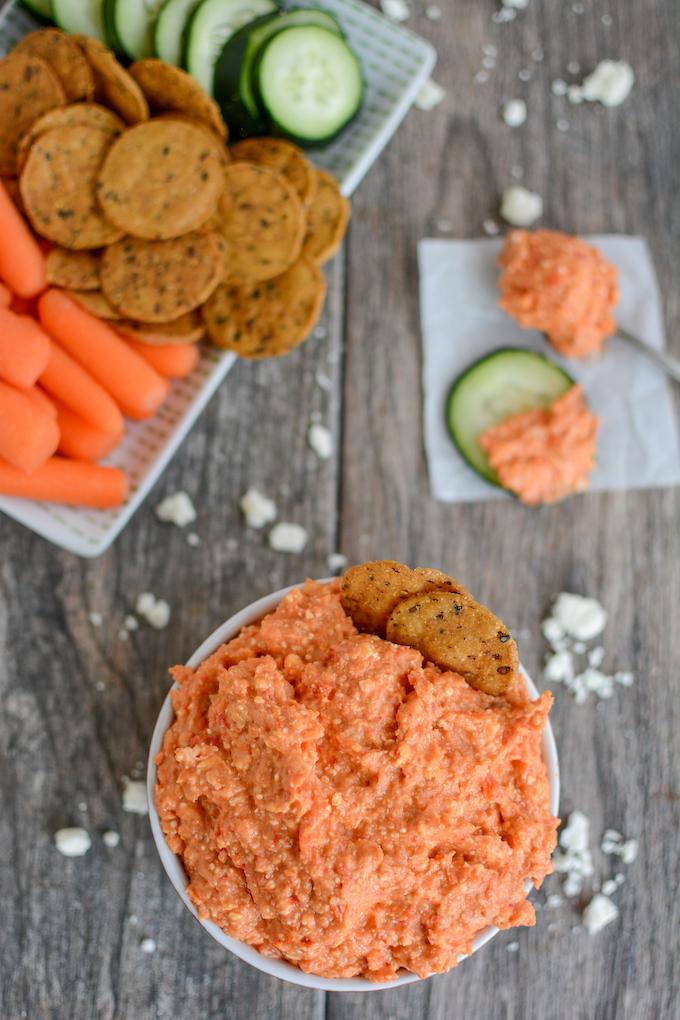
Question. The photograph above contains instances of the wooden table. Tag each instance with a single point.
(79, 703)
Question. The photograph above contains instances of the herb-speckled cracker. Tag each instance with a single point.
(113, 85)
(266, 319)
(28, 88)
(327, 219)
(77, 270)
(87, 114)
(261, 219)
(370, 591)
(187, 329)
(285, 158)
(169, 89)
(155, 281)
(456, 633)
(57, 187)
(161, 179)
(64, 57)
(95, 302)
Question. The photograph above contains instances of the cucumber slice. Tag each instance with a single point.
(234, 69)
(505, 382)
(308, 83)
(129, 26)
(41, 8)
(210, 26)
(82, 17)
(170, 24)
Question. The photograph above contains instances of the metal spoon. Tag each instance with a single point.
(666, 361)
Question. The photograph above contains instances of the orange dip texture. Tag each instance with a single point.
(339, 804)
(547, 454)
(561, 286)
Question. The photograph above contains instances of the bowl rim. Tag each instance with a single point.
(173, 865)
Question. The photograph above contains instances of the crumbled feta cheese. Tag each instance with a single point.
(321, 441)
(559, 87)
(491, 228)
(579, 647)
(610, 886)
(554, 634)
(596, 656)
(625, 679)
(512, 947)
(482, 77)
(518, 5)
(520, 206)
(599, 913)
(111, 838)
(574, 858)
(324, 381)
(553, 901)
(614, 843)
(287, 537)
(429, 95)
(96, 619)
(336, 562)
(559, 668)
(193, 539)
(134, 796)
(524, 74)
(433, 12)
(576, 833)
(155, 611)
(397, 10)
(505, 14)
(562, 124)
(176, 509)
(514, 112)
(581, 617)
(72, 842)
(575, 94)
(131, 623)
(257, 509)
(148, 945)
(610, 83)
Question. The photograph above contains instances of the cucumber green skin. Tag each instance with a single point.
(40, 9)
(280, 131)
(112, 37)
(188, 29)
(489, 476)
(233, 71)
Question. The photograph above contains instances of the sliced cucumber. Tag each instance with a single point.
(505, 382)
(210, 26)
(234, 69)
(308, 83)
(169, 31)
(129, 26)
(42, 8)
(82, 17)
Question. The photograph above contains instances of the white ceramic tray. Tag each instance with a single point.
(395, 64)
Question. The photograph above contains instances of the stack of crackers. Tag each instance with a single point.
(154, 222)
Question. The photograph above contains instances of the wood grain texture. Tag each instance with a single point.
(79, 703)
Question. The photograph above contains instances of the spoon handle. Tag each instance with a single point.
(666, 361)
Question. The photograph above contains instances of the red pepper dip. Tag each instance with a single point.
(340, 804)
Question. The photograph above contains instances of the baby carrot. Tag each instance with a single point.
(65, 379)
(175, 361)
(24, 349)
(5, 296)
(22, 264)
(135, 386)
(41, 401)
(27, 436)
(61, 480)
(80, 440)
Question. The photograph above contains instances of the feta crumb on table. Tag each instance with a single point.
(490, 228)
(72, 842)
(134, 796)
(337, 562)
(131, 623)
(155, 611)
(512, 947)
(176, 509)
(320, 440)
(520, 206)
(111, 838)
(96, 619)
(514, 112)
(581, 617)
(287, 537)
(257, 509)
(148, 945)
(193, 539)
(600, 912)
(429, 95)
(397, 10)
(610, 83)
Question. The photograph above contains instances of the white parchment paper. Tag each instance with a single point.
(638, 439)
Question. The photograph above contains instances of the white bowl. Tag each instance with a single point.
(175, 870)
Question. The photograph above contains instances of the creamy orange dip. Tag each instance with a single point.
(561, 286)
(547, 454)
(344, 806)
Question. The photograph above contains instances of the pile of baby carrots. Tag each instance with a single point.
(67, 381)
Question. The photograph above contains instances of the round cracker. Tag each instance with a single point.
(327, 218)
(64, 57)
(87, 114)
(156, 281)
(113, 85)
(456, 633)
(57, 187)
(285, 158)
(95, 302)
(76, 270)
(371, 590)
(261, 219)
(28, 88)
(168, 89)
(269, 318)
(187, 329)
(225, 156)
(161, 179)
